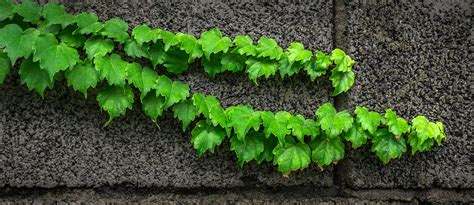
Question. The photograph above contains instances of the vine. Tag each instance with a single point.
(52, 43)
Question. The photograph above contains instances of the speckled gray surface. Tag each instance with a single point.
(60, 141)
(417, 59)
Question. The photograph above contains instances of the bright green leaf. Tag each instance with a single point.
(115, 100)
(417, 145)
(244, 46)
(34, 77)
(233, 62)
(173, 91)
(333, 122)
(116, 29)
(369, 121)
(341, 81)
(153, 106)
(248, 150)
(82, 77)
(257, 67)
(212, 42)
(296, 52)
(357, 136)
(29, 10)
(16, 42)
(396, 125)
(287, 68)
(425, 129)
(212, 66)
(112, 68)
(276, 124)
(343, 62)
(144, 34)
(174, 61)
(98, 47)
(386, 146)
(242, 118)
(190, 44)
(157, 54)
(301, 127)
(68, 37)
(326, 150)
(87, 23)
(186, 112)
(291, 157)
(6, 9)
(268, 47)
(143, 79)
(206, 137)
(133, 49)
(318, 67)
(54, 13)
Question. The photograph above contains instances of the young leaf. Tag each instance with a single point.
(98, 47)
(301, 127)
(133, 49)
(343, 62)
(29, 10)
(341, 81)
(153, 105)
(212, 65)
(143, 79)
(369, 121)
(276, 124)
(112, 68)
(6, 9)
(357, 136)
(233, 62)
(244, 46)
(174, 61)
(318, 67)
(427, 130)
(206, 137)
(173, 91)
(386, 146)
(211, 108)
(333, 122)
(54, 13)
(257, 67)
(34, 77)
(16, 42)
(291, 156)
(54, 56)
(87, 23)
(116, 29)
(327, 150)
(170, 39)
(417, 145)
(242, 118)
(296, 52)
(268, 47)
(185, 111)
(144, 34)
(115, 100)
(5, 66)
(287, 68)
(248, 150)
(191, 46)
(82, 77)
(396, 125)
(212, 42)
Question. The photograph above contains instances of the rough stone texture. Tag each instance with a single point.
(60, 141)
(417, 59)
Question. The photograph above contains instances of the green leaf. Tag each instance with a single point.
(244, 46)
(16, 42)
(170, 39)
(5, 67)
(87, 23)
(248, 150)
(296, 52)
(133, 49)
(233, 62)
(190, 44)
(326, 150)
(68, 37)
(112, 68)
(116, 29)
(242, 118)
(186, 112)
(287, 68)
(143, 79)
(173, 91)
(54, 13)
(301, 127)
(268, 47)
(212, 42)
(144, 34)
(333, 122)
(396, 125)
(174, 61)
(369, 121)
(211, 108)
(6, 9)
(318, 67)
(153, 105)
(115, 100)
(267, 154)
(257, 67)
(29, 10)
(386, 146)
(276, 124)
(98, 47)
(442, 134)
(341, 81)
(34, 77)
(357, 136)
(343, 62)
(82, 77)
(427, 130)
(212, 66)
(291, 157)
(157, 54)
(54, 56)
(206, 137)
(417, 145)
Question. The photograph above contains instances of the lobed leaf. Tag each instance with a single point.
(206, 137)
(82, 77)
(249, 149)
(115, 100)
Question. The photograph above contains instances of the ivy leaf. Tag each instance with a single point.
(153, 106)
(144, 34)
(386, 146)
(17, 43)
(115, 100)
(287, 68)
(268, 47)
(212, 42)
(343, 62)
(157, 54)
(233, 62)
(211, 108)
(369, 121)
(296, 52)
(206, 137)
(396, 125)
(242, 118)
(244, 46)
(174, 61)
(191, 46)
(143, 79)
(357, 136)
(112, 68)
(56, 14)
(276, 124)
(5, 66)
(116, 29)
(186, 112)
(34, 77)
(82, 77)
(301, 127)
(170, 39)
(257, 67)
(333, 122)
(248, 150)
(326, 150)
(68, 37)
(133, 49)
(29, 10)
(212, 66)
(427, 130)
(87, 23)
(291, 156)
(318, 67)
(341, 81)
(417, 145)
(6, 9)
(54, 56)
(173, 91)
(98, 47)
(267, 154)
